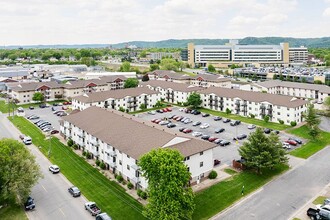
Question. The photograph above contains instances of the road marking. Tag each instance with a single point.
(44, 188)
(62, 212)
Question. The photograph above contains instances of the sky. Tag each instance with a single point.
(37, 22)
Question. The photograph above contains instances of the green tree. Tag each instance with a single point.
(143, 106)
(303, 80)
(181, 65)
(154, 67)
(145, 77)
(228, 111)
(312, 121)
(194, 99)
(318, 82)
(211, 68)
(38, 97)
(125, 67)
(266, 118)
(327, 103)
(281, 77)
(143, 54)
(261, 151)
(131, 83)
(169, 64)
(19, 171)
(274, 76)
(121, 108)
(170, 196)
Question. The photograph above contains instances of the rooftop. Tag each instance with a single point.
(181, 87)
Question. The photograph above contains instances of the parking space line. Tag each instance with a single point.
(62, 212)
(44, 188)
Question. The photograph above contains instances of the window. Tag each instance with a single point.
(201, 164)
(188, 168)
(201, 153)
(128, 168)
(120, 163)
(128, 156)
(187, 158)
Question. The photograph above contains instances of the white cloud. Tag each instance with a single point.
(326, 12)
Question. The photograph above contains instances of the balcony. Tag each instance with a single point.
(96, 153)
(113, 165)
(135, 167)
(136, 179)
(94, 143)
(81, 134)
(113, 153)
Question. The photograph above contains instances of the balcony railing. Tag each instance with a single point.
(113, 165)
(113, 153)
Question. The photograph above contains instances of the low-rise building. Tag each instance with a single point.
(303, 90)
(120, 140)
(256, 104)
(127, 99)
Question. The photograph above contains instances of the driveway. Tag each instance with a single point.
(50, 194)
(225, 154)
(281, 198)
(325, 123)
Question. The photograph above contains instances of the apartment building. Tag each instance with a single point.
(247, 103)
(203, 80)
(128, 99)
(171, 91)
(24, 91)
(120, 140)
(303, 90)
(234, 53)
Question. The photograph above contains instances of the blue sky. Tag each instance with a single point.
(26, 22)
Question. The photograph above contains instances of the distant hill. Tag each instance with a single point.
(323, 42)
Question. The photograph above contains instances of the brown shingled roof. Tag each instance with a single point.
(116, 94)
(280, 100)
(131, 136)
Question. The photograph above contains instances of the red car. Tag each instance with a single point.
(211, 139)
(187, 130)
(291, 142)
(178, 118)
(158, 120)
(165, 110)
(64, 108)
(54, 132)
(154, 120)
(168, 109)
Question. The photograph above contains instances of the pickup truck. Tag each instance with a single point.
(321, 213)
(92, 208)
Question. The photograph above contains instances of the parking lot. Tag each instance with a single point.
(224, 153)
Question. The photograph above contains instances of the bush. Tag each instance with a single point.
(266, 118)
(293, 123)
(70, 142)
(228, 111)
(119, 178)
(97, 162)
(281, 122)
(213, 174)
(102, 165)
(252, 116)
(142, 194)
(75, 146)
(84, 153)
(88, 155)
(130, 185)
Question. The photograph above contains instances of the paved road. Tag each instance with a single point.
(325, 123)
(52, 200)
(283, 197)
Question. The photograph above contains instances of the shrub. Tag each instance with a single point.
(88, 155)
(119, 178)
(75, 146)
(228, 111)
(213, 174)
(293, 123)
(142, 194)
(281, 122)
(84, 153)
(266, 118)
(102, 165)
(127, 110)
(121, 109)
(252, 116)
(97, 162)
(130, 185)
(70, 142)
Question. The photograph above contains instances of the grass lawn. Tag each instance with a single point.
(220, 196)
(148, 109)
(4, 105)
(111, 197)
(12, 212)
(261, 123)
(319, 200)
(37, 104)
(312, 146)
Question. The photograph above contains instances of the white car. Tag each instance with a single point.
(251, 127)
(181, 109)
(164, 122)
(205, 125)
(197, 134)
(286, 145)
(54, 169)
(152, 112)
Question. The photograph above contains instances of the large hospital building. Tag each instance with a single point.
(257, 55)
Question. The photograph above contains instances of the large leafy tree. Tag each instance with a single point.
(19, 171)
(125, 67)
(312, 121)
(38, 97)
(170, 196)
(194, 99)
(131, 83)
(327, 102)
(169, 64)
(154, 67)
(261, 151)
(211, 68)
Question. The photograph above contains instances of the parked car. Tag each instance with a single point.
(217, 118)
(54, 132)
(196, 112)
(103, 216)
(154, 120)
(216, 162)
(92, 208)
(168, 109)
(53, 109)
(187, 121)
(224, 143)
(205, 115)
(296, 140)
(34, 117)
(64, 108)
(31, 107)
(217, 141)
(27, 140)
(159, 111)
(57, 111)
(219, 130)
(205, 125)
(74, 191)
(42, 106)
(181, 129)
(240, 137)
(251, 127)
(276, 132)
(187, 110)
(164, 110)
(29, 204)
(187, 130)
(286, 145)
(152, 112)
(54, 169)
(205, 137)
(55, 104)
(171, 125)
(164, 123)
(291, 142)
(158, 120)
(235, 123)
(197, 134)
(267, 130)
(226, 120)
(171, 116)
(196, 123)
(211, 139)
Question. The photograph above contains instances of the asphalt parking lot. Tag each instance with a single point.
(46, 114)
(227, 153)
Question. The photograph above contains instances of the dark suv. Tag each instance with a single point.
(234, 123)
(29, 204)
